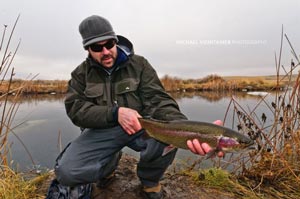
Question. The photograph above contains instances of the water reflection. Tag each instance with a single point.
(215, 96)
(42, 120)
(210, 96)
(34, 98)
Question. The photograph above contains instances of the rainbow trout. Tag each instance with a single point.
(176, 133)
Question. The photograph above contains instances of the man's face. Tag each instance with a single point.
(104, 52)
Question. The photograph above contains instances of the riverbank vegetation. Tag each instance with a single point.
(171, 84)
(230, 83)
(35, 86)
(12, 183)
(273, 170)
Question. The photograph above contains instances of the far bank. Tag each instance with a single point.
(171, 84)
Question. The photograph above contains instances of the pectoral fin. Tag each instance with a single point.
(213, 153)
(168, 149)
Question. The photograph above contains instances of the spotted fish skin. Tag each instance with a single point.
(176, 133)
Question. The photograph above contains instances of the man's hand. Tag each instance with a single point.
(128, 119)
(202, 148)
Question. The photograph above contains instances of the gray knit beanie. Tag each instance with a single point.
(95, 29)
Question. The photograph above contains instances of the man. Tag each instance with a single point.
(107, 94)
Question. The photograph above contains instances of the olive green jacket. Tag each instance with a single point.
(94, 94)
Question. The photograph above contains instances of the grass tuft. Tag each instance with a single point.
(13, 185)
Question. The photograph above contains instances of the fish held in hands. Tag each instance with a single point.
(176, 133)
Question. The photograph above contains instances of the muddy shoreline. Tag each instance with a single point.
(176, 185)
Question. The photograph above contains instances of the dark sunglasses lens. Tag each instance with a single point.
(108, 45)
(98, 48)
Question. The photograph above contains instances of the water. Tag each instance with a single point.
(44, 128)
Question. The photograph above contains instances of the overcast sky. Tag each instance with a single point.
(182, 38)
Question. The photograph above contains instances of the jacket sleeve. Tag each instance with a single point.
(82, 111)
(156, 101)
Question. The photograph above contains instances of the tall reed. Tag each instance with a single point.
(12, 184)
(8, 110)
(274, 168)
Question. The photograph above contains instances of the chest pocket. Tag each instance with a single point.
(127, 93)
(95, 92)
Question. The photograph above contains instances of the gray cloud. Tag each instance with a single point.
(188, 39)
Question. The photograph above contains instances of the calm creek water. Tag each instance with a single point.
(43, 126)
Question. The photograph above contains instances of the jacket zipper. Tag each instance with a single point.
(112, 94)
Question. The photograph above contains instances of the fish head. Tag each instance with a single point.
(233, 144)
(242, 140)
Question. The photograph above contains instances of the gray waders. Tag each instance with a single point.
(96, 152)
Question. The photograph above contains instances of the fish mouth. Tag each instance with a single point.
(251, 147)
(246, 142)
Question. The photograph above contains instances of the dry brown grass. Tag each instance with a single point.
(227, 83)
(35, 86)
(274, 168)
(13, 185)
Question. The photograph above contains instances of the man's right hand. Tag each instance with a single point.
(128, 119)
(200, 148)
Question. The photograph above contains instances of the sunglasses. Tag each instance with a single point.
(98, 48)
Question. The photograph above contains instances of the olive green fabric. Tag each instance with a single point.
(93, 93)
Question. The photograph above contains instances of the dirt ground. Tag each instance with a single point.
(127, 186)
